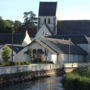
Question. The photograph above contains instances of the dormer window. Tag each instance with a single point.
(49, 21)
(45, 20)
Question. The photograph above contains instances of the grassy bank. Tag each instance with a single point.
(79, 79)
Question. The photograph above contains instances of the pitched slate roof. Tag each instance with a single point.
(32, 31)
(6, 38)
(63, 46)
(16, 48)
(76, 39)
(47, 8)
(73, 27)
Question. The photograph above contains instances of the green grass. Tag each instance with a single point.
(79, 79)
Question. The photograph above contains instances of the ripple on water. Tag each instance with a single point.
(51, 83)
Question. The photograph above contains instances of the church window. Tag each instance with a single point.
(45, 20)
(49, 21)
(39, 20)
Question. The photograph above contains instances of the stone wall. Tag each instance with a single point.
(16, 74)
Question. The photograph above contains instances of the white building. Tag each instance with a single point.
(59, 51)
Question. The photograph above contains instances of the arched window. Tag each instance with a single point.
(39, 20)
(49, 21)
(45, 20)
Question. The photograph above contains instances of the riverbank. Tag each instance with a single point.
(79, 79)
(46, 83)
(16, 74)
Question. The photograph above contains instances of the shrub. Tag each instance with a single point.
(11, 63)
(0, 63)
(49, 62)
(77, 80)
(17, 63)
(26, 62)
(6, 53)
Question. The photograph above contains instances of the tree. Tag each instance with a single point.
(30, 19)
(5, 25)
(17, 26)
(6, 53)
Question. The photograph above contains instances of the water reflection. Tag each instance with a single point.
(51, 83)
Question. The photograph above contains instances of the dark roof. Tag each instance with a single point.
(16, 48)
(32, 31)
(47, 8)
(73, 27)
(6, 38)
(76, 39)
(63, 46)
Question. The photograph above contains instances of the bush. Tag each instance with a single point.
(22, 63)
(40, 59)
(11, 63)
(77, 80)
(46, 61)
(6, 53)
(0, 63)
(26, 63)
(17, 63)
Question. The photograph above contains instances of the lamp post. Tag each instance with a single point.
(12, 43)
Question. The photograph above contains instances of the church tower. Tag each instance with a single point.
(47, 16)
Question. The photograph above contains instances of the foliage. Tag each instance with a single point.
(6, 53)
(30, 24)
(36, 57)
(5, 25)
(17, 26)
(30, 53)
(77, 80)
(30, 19)
(14, 63)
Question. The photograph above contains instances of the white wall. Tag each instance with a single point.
(26, 40)
(50, 56)
(64, 58)
(42, 32)
(22, 56)
(52, 22)
(54, 58)
(22, 68)
(86, 47)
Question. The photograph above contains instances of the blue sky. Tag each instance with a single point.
(67, 9)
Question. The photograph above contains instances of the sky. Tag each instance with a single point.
(67, 9)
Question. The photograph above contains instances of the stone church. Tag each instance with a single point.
(70, 37)
(59, 41)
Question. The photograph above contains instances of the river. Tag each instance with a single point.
(49, 83)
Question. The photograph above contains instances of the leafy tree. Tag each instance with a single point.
(6, 53)
(17, 26)
(30, 19)
(5, 25)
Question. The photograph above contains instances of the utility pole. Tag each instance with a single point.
(69, 49)
(12, 44)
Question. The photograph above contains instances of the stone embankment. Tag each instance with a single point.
(15, 74)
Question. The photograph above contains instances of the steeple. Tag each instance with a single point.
(47, 15)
